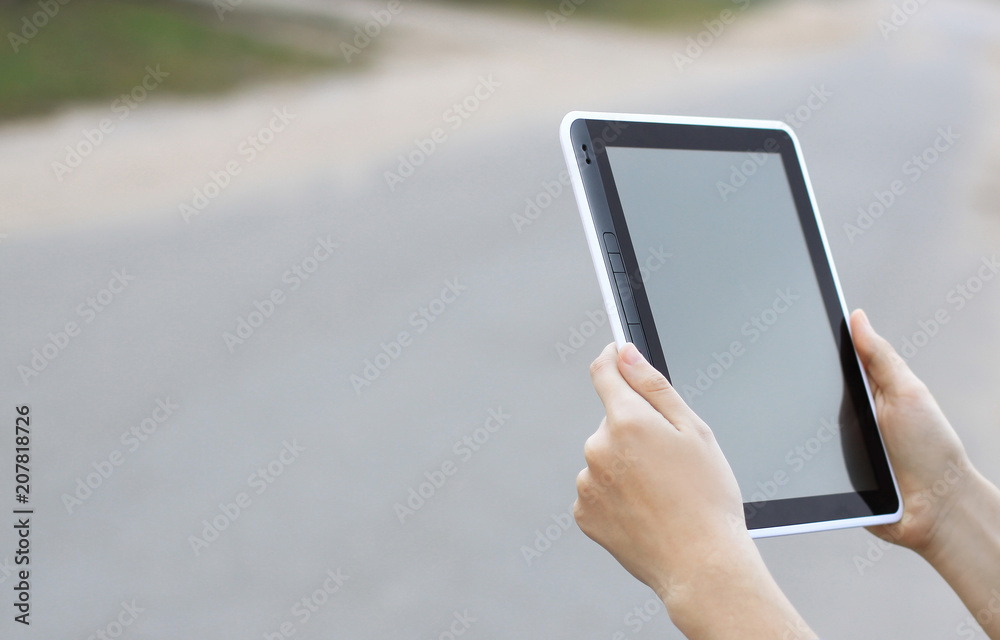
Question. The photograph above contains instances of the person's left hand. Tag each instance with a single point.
(657, 491)
(659, 495)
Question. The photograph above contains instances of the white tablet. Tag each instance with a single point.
(712, 259)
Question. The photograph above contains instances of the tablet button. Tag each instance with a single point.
(639, 339)
(627, 298)
(611, 243)
(616, 262)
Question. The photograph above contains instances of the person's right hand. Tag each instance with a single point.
(930, 463)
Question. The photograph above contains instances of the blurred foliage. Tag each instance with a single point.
(91, 50)
(651, 13)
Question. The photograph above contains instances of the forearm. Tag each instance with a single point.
(734, 596)
(966, 551)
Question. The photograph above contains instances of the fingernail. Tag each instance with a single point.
(864, 319)
(630, 355)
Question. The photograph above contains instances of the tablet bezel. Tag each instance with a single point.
(601, 213)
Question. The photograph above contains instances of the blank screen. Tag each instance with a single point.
(741, 318)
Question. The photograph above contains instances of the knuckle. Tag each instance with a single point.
(699, 428)
(628, 420)
(584, 519)
(654, 382)
(703, 431)
(593, 450)
(888, 357)
(910, 386)
(905, 382)
(892, 360)
(597, 365)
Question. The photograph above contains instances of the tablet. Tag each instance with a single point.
(712, 260)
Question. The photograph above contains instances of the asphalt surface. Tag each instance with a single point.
(413, 487)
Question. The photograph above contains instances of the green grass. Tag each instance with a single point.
(95, 50)
(650, 13)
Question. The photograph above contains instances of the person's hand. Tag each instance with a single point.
(657, 491)
(659, 495)
(951, 513)
(929, 461)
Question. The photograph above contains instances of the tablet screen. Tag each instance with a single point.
(741, 318)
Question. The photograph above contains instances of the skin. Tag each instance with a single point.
(658, 494)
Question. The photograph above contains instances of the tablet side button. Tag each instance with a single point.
(617, 265)
(611, 243)
(628, 300)
(639, 339)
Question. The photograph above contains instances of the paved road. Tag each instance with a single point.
(403, 506)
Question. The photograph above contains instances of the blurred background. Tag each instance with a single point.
(303, 310)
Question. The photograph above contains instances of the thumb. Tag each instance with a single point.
(885, 367)
(652, 385)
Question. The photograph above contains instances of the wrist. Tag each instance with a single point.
(962, 518)
(729, 593)
(965, 550)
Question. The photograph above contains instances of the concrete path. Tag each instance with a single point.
(204, 448)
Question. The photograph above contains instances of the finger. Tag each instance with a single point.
(608, 380)
(623, 405)
(858, 319)
(885, 367)
(652, 386)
